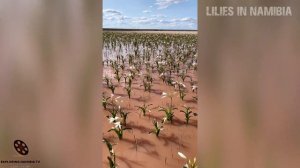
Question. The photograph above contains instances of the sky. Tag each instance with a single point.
(150, 14)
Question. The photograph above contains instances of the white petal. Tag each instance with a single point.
(182, 155)
(118, 125)
(164, 94)
(111, 120)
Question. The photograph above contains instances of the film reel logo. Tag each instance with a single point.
(21, 147)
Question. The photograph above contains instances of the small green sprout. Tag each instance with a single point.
(112, 157)
(187, 113)
(105, 101)
(112, 87)
(169, 112)
(118, 77)
(124, 116)
(182, 75)
(128, 90)
(181, 89)
(107, 80)
(108, 145)
(144, 108)
(147, 86)
(157, 128)
(182, 94)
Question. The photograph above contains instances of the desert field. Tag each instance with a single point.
(149, 99)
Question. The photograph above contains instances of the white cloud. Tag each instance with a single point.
(113, 17)
(180, 22)
(147, 11)
(162, 4)
(111, 12)
(144, 20)
(159, 16)
(186, 20)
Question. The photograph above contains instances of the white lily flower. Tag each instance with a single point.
(164, 119)
(182, 84)
(118, 99)
(112, 119)
(118, 125)
(182, 155)
(194, 87)
(164, 94)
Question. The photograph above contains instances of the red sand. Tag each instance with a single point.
(151, 151)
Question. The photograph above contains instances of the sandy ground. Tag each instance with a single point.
(140, 149)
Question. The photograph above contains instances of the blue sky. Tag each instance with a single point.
(150, 14)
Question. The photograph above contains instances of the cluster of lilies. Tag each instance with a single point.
(144, 58)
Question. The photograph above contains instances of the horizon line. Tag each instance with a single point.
(136, 29)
